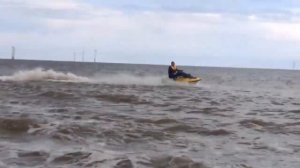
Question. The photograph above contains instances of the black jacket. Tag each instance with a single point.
(172, 72)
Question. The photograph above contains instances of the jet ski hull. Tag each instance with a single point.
(188, 80)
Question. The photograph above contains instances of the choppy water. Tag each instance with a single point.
(123, 116)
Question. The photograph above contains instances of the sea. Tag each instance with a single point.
(107, 115)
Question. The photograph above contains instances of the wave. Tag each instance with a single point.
(16, 125)
(40, 74)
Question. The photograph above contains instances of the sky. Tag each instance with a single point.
(225, 33)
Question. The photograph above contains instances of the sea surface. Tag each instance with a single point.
(90, 115)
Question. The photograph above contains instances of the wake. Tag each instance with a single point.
(129, 79)
(40, 74)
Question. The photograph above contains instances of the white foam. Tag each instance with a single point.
(39, 74)
(280, 148)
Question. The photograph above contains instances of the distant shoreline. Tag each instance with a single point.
(138, 64)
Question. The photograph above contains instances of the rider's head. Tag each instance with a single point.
(172, 63)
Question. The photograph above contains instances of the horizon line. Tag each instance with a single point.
(98, 62)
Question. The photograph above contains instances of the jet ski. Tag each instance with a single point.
(192, 80)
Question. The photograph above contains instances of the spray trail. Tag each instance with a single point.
(39, 74)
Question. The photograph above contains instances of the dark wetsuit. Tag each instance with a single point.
(176, 73)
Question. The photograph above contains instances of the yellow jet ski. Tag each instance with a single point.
(187, 80)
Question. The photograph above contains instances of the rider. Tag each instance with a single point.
(174, 72)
